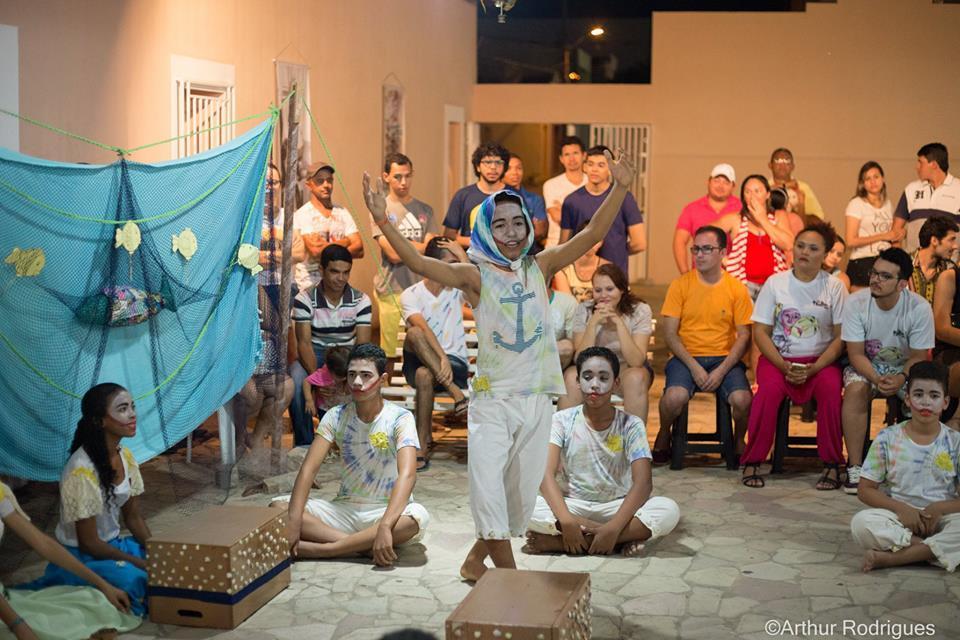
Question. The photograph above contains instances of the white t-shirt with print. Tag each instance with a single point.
(309, 219)
(597, 463)
(911, 473)
(802, 313)
(368, 449)
(81, 496)
(443, 313)
(873, 221)
(888, 336)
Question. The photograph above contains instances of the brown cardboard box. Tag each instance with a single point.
(507, 604)
(219, 568)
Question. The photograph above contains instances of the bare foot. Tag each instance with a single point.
(542, 543)
(471, 570)
(633, 548)
(874, 560)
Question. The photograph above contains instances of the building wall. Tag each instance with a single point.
(839, 84)
(102, 69)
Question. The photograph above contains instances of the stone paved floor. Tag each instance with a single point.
(739, 558)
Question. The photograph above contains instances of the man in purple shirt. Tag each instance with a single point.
(705, 211)
(626, 235)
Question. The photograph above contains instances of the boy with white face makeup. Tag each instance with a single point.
(518, 368)
(606, 461)
(910, 481)
(374, 509)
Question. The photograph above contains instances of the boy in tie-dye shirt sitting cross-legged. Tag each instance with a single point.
(374, 509)
(606, 461)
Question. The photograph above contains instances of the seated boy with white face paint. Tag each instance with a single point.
(910, 480)
(374, 509)
(606, 461)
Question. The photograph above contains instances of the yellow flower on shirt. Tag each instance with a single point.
(615, 443)
(481, 384)
(943, 461)
(379, 441)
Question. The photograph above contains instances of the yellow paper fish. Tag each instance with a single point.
(26, 262)
(186, 243)
(248, 256)
(128, 237)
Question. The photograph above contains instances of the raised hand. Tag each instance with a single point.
(375, 195)
(621, 169)
(453, 247)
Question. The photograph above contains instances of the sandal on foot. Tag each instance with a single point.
(753, 480)
(422, 463)
(460, 406)
(826, 483)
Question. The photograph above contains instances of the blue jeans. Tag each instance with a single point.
(302, 423)
(679, 376)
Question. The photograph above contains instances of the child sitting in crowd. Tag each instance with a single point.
(326, 387)
(606, 460)
(909, 480)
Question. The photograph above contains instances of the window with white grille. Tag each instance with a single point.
(203, 105)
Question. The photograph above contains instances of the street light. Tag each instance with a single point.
(595, 32)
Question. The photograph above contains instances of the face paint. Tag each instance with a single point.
(926, 398)
(596, 377)
(509, 228)
(362, 376)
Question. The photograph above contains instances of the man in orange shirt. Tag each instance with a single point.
(706, 325)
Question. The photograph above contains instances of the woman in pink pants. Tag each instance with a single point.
(797, 330)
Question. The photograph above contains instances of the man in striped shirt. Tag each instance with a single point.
(332, 314)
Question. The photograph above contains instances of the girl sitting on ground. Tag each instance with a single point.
(101, 482)
(326, 387)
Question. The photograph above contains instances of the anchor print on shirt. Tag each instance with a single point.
(518, 298)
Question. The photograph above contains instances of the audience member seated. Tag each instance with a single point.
(332, 313)
(374, 510)
(101, 481)
(489, 162)
(435, 350)
(513, 179)
(909, 481)
(934, 194)
(318, 224)
(706, 325)
(627, 236)
(605, 460)
(869, 227)
(620, 321)
(557, 188)
(796, 326)
(326, 387)
(831, 262)
(887, 330)
(946, 319)
(705, 211)
(801, 198)
(759, 236)
(577, 278)
(414, 219)
(563, 309)
(938, 241)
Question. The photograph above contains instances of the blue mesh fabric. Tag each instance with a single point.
(198, 355)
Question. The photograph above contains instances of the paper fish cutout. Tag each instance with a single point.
(185, 243)
(248, 256)
(26, 262)
(121, 306)
(128, 237)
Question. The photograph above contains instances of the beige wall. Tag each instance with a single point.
(839, 84)
(102, 68)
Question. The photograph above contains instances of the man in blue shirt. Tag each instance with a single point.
(513, 179)
(626, 236)
(489, 162)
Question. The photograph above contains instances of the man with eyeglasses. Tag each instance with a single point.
(489, 164)
(801, 198)
(627, 235)
(887, 329)
(706, 325)
(703, 211)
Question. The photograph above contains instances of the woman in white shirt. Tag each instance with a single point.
(101, 482)
(869, 224)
